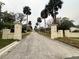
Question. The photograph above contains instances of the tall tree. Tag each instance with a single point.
(53, 7)
(65, 25)
(44, 15)
(8, 19)
(27, 11)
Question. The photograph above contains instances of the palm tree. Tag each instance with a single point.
(27, 11)
(37, 24)
(44, 15)
(53, 7)
(39, 20)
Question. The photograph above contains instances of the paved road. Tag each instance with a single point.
(36, 46)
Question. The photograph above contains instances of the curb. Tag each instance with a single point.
(7, 48)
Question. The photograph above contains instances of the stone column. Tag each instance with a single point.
(5, 33)
(18, 31)
(53, 31)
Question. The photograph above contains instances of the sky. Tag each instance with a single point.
(70, 8)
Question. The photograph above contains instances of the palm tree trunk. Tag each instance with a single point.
(54, 15)
(27, 23)
(54, 18)
(27, 19)
(39, 27)
(45, 24)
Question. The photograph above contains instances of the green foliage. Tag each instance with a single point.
(7, 17)
(35, 28)
(26, 10)
(53, 7)
(39, 20)
(30, 23)
(44, 13)
(24, 27)
(65, 24)
(1, 25)
(5, 42)
(7, 20)
(37, 24)
(69, 40)
(1, 3)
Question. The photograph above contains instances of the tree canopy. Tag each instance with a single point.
(39, 20)
(27, 10)
(53, 6)
(44, 13)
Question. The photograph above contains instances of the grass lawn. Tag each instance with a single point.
(73, 41)
(4, 42)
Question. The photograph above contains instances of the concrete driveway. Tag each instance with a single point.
(36, 46)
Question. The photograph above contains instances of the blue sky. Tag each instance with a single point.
(70, 8)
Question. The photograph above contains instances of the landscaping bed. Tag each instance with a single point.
(73, 41)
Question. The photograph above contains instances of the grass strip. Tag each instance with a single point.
(5, 42)
(71, 41)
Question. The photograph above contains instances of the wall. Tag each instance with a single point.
(55, 34)
(16, 35)
(7, 34)
(71, 34)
